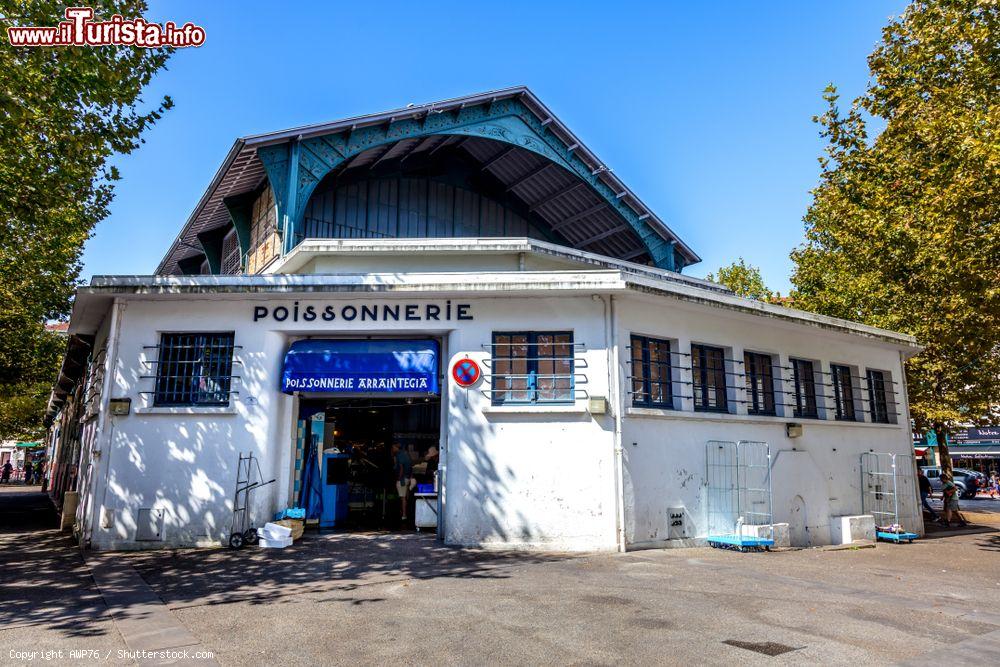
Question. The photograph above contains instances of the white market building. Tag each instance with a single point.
(400, 244)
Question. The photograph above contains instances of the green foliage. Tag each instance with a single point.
(23, 402)
(902, 231)
(744, 279)
(63, 113)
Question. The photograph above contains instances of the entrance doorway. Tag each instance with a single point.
(345, 446)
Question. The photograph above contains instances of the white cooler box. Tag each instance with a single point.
(427, 510)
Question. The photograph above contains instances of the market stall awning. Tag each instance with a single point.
(361, 367)
(920, 451)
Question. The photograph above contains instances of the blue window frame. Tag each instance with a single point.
(532, 367)
(708, 378)
(757, 370)
(651, 370)
(843, 393)
(194, 369)
(804, 378)
(878, 397)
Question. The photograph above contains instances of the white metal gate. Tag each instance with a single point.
(738, 498)
(887, 480)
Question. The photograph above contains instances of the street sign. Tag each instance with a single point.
(466, 373)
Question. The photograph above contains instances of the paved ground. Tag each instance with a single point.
(403, 599)
(48, 601)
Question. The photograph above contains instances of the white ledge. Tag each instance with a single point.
(657, 413)
(535, 409)
(192, 410)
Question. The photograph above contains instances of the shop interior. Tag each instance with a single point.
(346, 463)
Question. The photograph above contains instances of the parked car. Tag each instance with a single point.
(967, 481)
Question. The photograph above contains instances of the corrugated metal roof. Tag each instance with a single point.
(548, 192)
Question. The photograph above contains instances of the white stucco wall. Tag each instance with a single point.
(515, 476)
(814, 477)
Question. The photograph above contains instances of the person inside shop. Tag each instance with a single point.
(925, 494)
(404, 477)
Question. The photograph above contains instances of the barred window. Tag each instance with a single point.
(708, 375)
(878, 399)
(760, 383)
(651, 368)
(804, 378)
(194, 369)
(532, 367)
(843, 393)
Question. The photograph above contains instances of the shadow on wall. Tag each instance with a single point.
(184, 471)
(478, 507)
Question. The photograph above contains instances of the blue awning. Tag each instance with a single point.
(361, 366)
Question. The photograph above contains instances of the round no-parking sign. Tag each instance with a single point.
(466, 372)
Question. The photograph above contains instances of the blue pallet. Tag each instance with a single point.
(896, 537)
(739, 541)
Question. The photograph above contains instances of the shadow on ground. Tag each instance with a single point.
(43, 578)
(316, 563)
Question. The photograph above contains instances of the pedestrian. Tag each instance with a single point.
(925, 493)
(5, 472)
(994, 485)
(28, 471)
(404, 477)
(950, 494)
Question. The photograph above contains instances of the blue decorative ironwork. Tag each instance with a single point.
(294, 169)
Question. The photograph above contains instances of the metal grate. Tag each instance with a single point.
(738, 498)
(194, 369)
(887, 481)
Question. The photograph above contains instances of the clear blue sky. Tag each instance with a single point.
(704, 109)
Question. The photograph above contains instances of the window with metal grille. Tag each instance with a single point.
(231, 260)
(194, 369)
(532, 367)
(651, 368)
(760, 383)
(843, 393)
(708, 376)
(804, 379)
(878, 399)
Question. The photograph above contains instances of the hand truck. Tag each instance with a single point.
(242, 530)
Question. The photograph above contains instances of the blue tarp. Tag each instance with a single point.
(361, 366)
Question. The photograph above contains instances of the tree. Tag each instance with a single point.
(902, 232)
(64, 111)
(744, 279)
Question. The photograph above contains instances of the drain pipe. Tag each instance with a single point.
(615, 401)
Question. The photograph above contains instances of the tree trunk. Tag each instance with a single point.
(943, 454)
